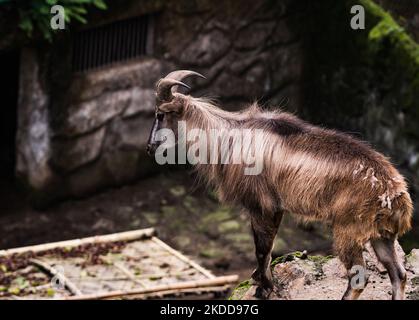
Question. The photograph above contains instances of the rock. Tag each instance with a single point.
(413, 261)
(206, 49)
(128, 134)
(299, 277)
(142, 100)
(177, 191)
(71, 154)
(92, 114)
(33, 136)
(142, 73)
(254, 35)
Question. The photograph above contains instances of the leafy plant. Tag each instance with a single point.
(35, 15)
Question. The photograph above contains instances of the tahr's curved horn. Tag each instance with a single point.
(179, 75)
(164, 86)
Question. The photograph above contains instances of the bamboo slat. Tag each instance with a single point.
(129, 274)
(183, 258)
(122, 236)
(175, 287)
(54, 272)
(179, 291)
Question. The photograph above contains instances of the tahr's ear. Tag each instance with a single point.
(174, 106)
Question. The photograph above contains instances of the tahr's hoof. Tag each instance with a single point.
(263, 293)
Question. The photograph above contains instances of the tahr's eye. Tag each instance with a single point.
(160, 116)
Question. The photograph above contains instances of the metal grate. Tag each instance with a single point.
(104, 45)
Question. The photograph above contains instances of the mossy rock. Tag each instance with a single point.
(228, 226)
(212, 250)
(240, 290)
(220, 215)
(346, 66)
(298, 276)
(191, 204)
(177, 191)
(150, 217)
(169, 211)
(182, 241)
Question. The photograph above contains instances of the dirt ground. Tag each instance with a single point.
(185, 215)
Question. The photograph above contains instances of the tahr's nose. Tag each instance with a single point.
(151, 149)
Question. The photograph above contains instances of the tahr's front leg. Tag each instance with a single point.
(264, 232)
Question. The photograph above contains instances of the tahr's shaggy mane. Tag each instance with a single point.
(310, 172)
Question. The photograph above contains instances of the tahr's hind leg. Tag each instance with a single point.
(386, 254)
(351, 257)
(264, 232)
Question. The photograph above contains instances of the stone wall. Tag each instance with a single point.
(81, 132)
(363, 81)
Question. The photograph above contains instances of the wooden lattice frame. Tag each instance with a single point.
(207, 283)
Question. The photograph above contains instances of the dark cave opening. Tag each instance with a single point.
(9, 92)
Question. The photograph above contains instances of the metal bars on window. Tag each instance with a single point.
(104, 45)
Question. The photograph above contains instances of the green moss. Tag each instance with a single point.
(211, 253)
(286, 257)
(177, 191)
(345, 67)
(191, 204)
(415, 281)
(219, 215)
(151, 217)
(319, 259)
(389, 43)
(240, 290)
(228, 226)
(169, 211)
(245, 284)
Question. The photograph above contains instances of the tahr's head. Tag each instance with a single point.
(169, 105)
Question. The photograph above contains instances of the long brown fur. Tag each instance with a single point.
(314, 173)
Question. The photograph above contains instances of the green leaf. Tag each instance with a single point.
(3, 268)
(100, 4)
(77, 17)
(14, 290)
(27, 26)
(44, 9)
(79, 10)
(50, 292)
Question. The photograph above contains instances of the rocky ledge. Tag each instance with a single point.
(298, 276)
